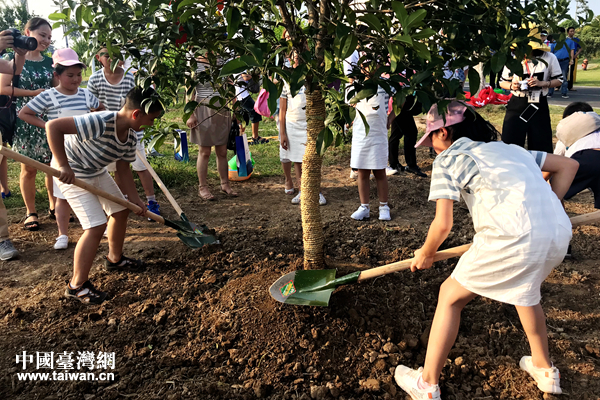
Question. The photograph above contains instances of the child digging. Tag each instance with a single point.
(82, 147)
(111, 87)
(522, 233)
(65, 100)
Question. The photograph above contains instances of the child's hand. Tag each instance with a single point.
(66, 175)
(421, 261)
(138, 202)
(284, 141)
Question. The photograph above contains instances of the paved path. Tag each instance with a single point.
(589, 94)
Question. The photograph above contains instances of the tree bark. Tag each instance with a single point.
(312, 227)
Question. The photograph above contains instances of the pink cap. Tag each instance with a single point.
(66, 58)
(454, 115)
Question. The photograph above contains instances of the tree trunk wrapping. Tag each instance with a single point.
(312, 227)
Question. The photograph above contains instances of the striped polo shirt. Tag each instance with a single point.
(112, 96)
(453, 173)
(96, 144)
(43, 104)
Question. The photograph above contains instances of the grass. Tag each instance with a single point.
(181, 176)
(591, 77)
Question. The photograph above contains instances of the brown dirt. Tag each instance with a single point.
(201, 324)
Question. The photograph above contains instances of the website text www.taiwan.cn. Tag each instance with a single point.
(66, 366)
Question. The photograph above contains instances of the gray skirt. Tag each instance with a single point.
(214, 127)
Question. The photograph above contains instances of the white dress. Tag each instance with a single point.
(522, 230)
(295, 126)
(370, 151)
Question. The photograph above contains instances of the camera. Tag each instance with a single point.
(22, 41)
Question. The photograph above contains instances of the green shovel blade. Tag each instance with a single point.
(196, 241)
(309, 287)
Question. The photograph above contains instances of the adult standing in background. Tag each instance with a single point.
(210, 128)
(527, 113)
(564, 59)
(574, 54)
(403, 125)
(7, 250)
(29, 140)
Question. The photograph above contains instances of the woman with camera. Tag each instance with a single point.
(527, 112)
(37, 76)
(7, 250)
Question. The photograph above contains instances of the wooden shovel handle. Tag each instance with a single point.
(457, 251)
(78, 182)
(160, 183)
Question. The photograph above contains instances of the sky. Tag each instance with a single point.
(46, 7)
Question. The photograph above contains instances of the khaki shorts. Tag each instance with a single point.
(91, 210)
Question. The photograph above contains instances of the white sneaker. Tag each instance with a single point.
(353, 174)
(390, 171)
(408, 379)
(296, 199)
(384, 213)
(547, 379)
(362, 213)
(322, 200)
(62, 242)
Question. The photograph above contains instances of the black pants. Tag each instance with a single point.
(537, 130)
(404, 125)
(588, 174)
(571, 71)
(495, 79)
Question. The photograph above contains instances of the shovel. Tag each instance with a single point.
(188, 233)
(161, 185)
(314, 287)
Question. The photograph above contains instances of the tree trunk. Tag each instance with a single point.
(312, 227)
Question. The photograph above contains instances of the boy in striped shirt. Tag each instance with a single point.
(82, 147)
(111, 87)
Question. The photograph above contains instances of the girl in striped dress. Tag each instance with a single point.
(65, 100)
(522, 233)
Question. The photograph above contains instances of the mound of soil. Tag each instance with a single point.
(201, 324)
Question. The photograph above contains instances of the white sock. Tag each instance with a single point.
(381, 204)
(366, 205)
(422, 384)
(151, 198)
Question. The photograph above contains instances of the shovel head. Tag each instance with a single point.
(306, 287)
(196, 241)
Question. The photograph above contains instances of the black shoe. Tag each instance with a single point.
(259, 140)
(86, 293)
(569, 255)
(415, 170)
(125, 263)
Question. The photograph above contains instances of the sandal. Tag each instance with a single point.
(52, 214)
(125, 263)
(31, 225)
(229, 193)
(259, 140)
(207, 197)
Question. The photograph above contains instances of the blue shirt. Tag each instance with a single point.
(564, 51)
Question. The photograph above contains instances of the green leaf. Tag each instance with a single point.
(372, 21)
(404, 39)
(329, 61)
(400, 11)
(190, 107)
(256, 52)
(185, 3)
(474, 80)
(364, 120)
(249, 60)
(234, 66)
(414, 19)
(422, 50)
(347, 46)
(396, 55)
(57, 16)
(234, 17)
(498, 61)
(87, 15)
(188, 13)
(297, 79)
(423, 34)
(79, 14)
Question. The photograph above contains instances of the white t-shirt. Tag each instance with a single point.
(546, 68)
(591, 141)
